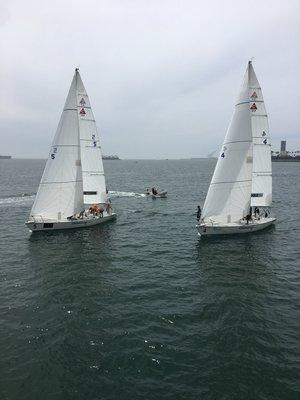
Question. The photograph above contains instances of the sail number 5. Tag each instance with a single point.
(53, 153)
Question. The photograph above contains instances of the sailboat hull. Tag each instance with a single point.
(39, 226)
(234, 228)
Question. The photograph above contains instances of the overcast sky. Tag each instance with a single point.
(162, 75)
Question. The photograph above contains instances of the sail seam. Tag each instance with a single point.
(249, 101)
(90, 140)
(48, 183)
(70, 109)
(65, 145)
(239, 141)
(244, 180)
(243, 102)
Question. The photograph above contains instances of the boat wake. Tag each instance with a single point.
(27, 198)
(113, 194)
(20, 199)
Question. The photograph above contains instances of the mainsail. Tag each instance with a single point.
(73, 175)
(262, 165)
(94, 187)
(60, 191)
(228, 197)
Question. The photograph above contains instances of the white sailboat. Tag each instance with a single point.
(240, 192)
(72, 191)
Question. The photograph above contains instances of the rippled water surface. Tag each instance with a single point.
(141, 308)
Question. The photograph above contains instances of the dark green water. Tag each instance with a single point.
(140, 308)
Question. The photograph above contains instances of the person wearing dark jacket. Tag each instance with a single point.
(198, 213)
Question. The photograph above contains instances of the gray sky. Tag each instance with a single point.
(162, 75)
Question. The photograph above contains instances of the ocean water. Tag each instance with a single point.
(141, 308)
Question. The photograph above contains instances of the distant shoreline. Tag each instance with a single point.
(157, 159)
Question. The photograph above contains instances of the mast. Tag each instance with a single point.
(60, 191)
(94, 186)
(261, 195)
(229, 193)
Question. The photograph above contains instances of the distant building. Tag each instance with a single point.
(283, 148)
(5, 157)
(284, 155)
(110, 157)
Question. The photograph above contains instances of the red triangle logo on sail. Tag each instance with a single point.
(82, 102)
(253, 107)
(253, 96)
(82, 112)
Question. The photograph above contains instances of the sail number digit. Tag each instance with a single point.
(53, 153)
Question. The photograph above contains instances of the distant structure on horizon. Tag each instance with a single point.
(283, 148)
(110, 158)
(5, 157)
(284, 155)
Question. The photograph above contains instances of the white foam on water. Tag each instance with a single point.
(17, 200)
(114, 193)
(27, 198)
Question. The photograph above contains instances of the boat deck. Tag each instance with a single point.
(254, 225)
(51, 225)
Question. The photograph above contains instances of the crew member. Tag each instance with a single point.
(198, 213)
